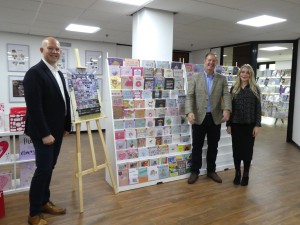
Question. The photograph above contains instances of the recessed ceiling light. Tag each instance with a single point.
(273, 48)
(261, 21)
(82, 28)
(224, 55)
(131, 2)
(262, 59)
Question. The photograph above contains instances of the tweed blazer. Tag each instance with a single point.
(197, 98)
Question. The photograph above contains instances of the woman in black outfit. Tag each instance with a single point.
(245, 121)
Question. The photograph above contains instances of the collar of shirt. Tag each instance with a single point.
(51, 68)
(211, 77)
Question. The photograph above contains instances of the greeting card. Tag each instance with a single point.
(118, 112)
(129, 123)
(138, 83)
(123, 177)
(128, 103)
(131, 143)
(140, 123)
(5, 181)
(128, 113)
(139, 103)
(141, 132)
(163, 171)
(147, 94)
(130, 133)
(26, 172)
(133, 176)
(120, 144)
(5, 149)
(149, 103)
(148, 63)
(143, 174)
(141, 142)
(114, 70)
(118, 124)
(127, 82)
(137, 71)
(143, 152)
(119, 134)
(139, 113)
(115, 82)
(149, 83)
(26, 148)
(153, 173)
(126, 71)
(168, 73)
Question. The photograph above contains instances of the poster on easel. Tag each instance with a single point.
(85, 95)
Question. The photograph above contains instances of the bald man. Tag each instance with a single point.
(48, 120)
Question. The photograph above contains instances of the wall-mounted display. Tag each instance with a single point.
(16, 89)
(93, 61)
(62, 63)
(17, 57)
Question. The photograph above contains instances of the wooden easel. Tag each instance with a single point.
(79, 173)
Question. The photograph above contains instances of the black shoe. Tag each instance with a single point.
(244, 181)
(237, 179)
(193, 178)
(214, 176)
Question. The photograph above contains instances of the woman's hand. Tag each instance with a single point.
(228, 130)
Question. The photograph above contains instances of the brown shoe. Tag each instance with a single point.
(50, 208)
(214, 176)
(36, 220)
(193, 178)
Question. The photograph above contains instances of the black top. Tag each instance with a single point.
(246, 108)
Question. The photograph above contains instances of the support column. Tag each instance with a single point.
(152, 35)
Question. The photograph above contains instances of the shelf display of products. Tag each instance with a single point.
(275, 89)
(151, 131)
(16, 162)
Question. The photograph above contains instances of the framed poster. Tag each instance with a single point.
(93, 61)
(63, 61)
(16, 89)
(17, 57)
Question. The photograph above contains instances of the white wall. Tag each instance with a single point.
(197, 57)
(283, 65)
(296, 122)
(34, 43)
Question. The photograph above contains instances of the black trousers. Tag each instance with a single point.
(242, 141)
(45, 159)
(212, 131)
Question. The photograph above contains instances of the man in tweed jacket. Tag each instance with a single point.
(208, 104)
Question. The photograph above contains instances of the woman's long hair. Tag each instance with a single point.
(252, 83)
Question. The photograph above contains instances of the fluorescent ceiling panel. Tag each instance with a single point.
(273, 48)
(131, 2)
(261, 21)
(82, 28)
(262, 59)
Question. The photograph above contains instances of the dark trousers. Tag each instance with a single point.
(213, 133)
(45, 159)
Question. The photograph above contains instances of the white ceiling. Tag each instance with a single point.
(198, 24)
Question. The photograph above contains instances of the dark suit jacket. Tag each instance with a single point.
(197, 98)
(46, 112)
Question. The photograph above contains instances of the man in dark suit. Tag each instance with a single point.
(47, 121)
(208, 104)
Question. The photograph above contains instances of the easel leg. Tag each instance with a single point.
(79, 171)
(106, 156)
(88, 125)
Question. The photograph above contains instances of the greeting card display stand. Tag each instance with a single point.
(79, 173)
